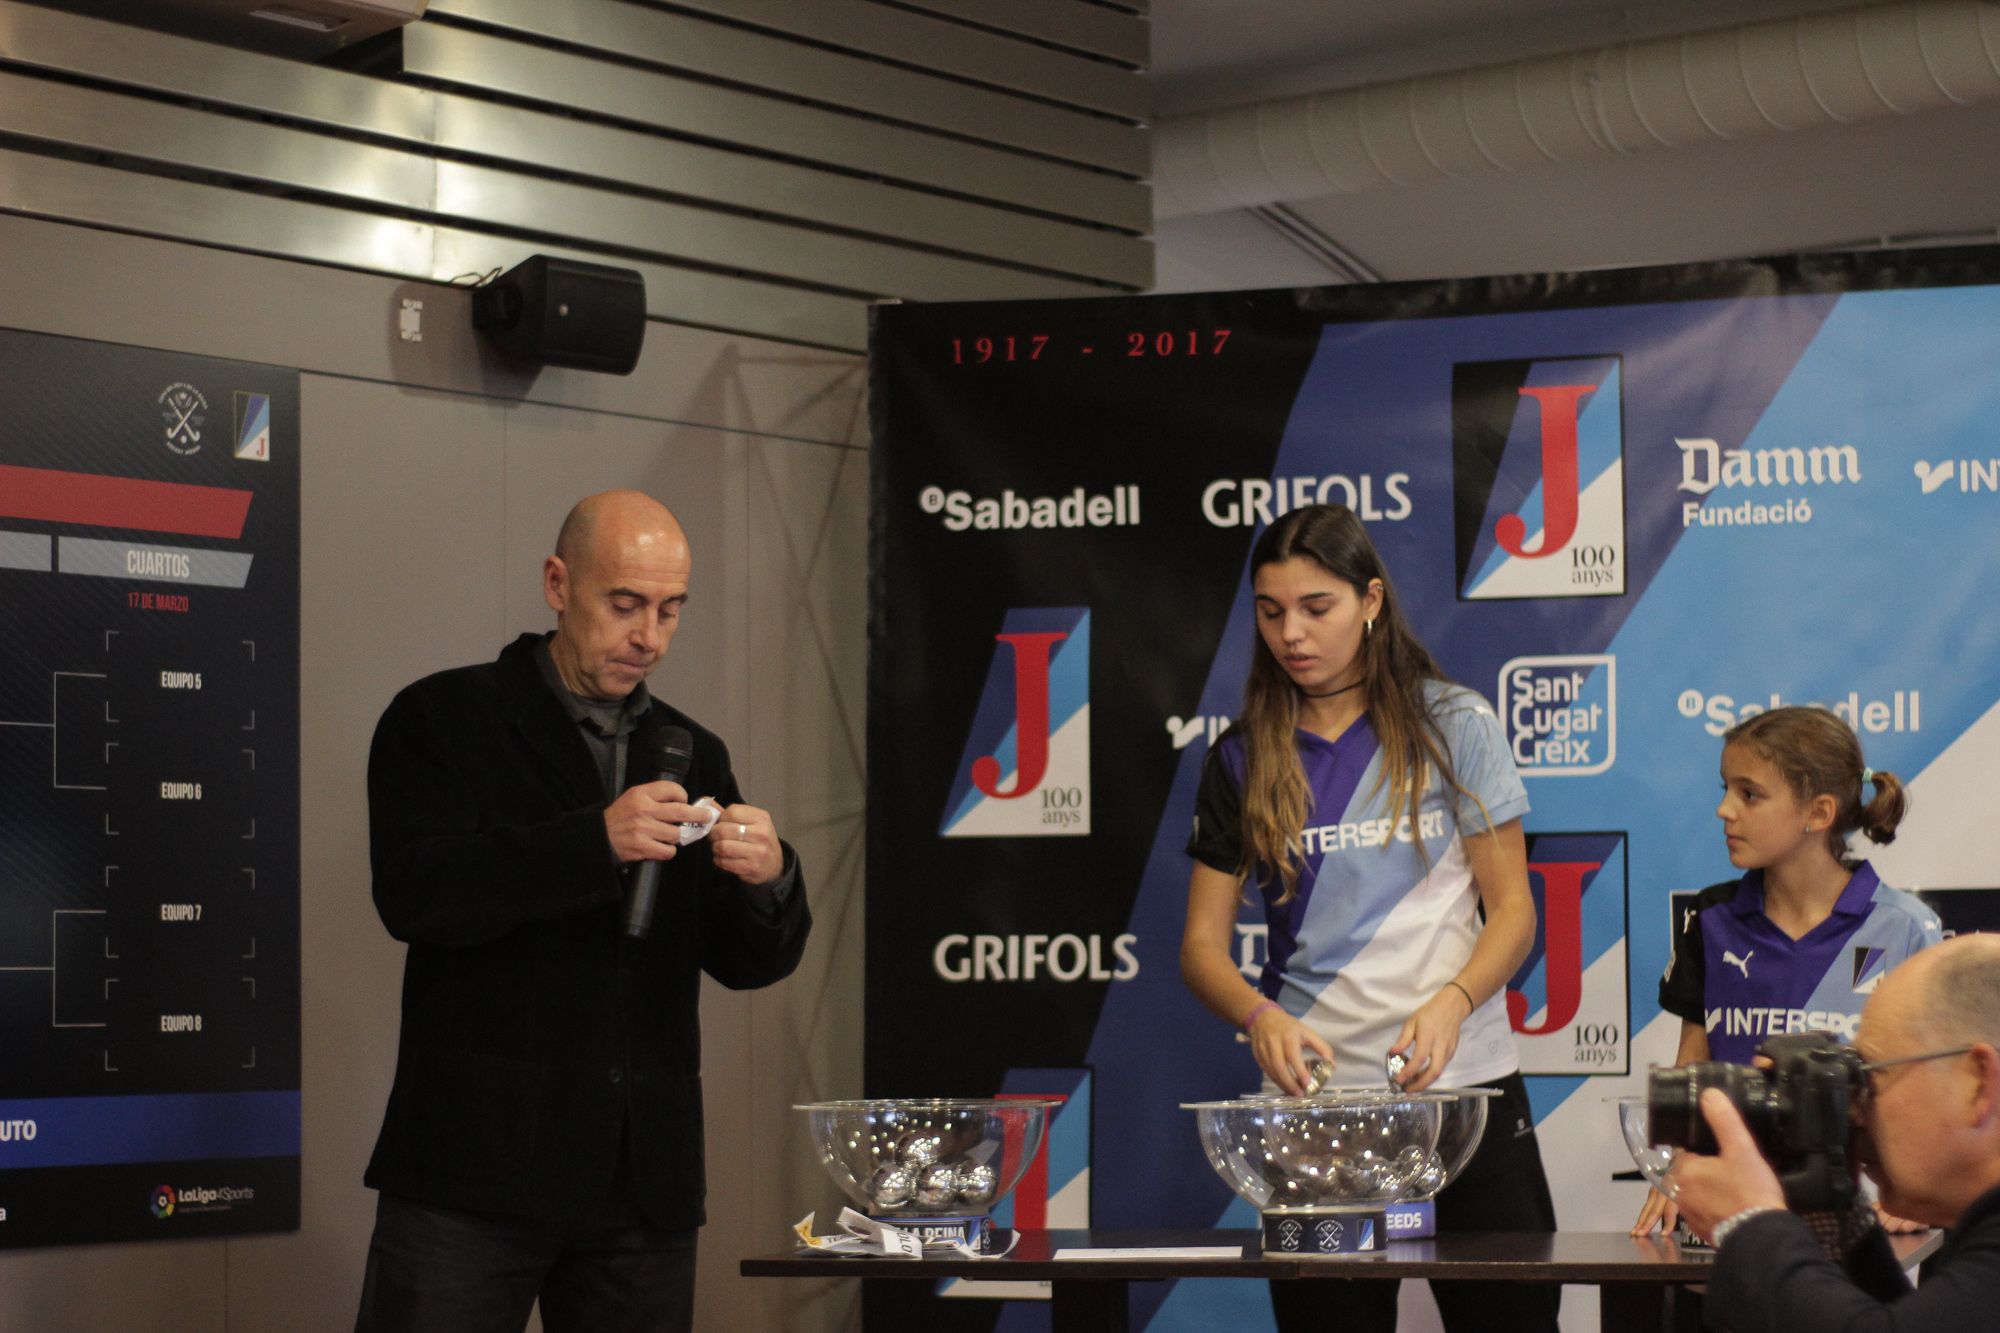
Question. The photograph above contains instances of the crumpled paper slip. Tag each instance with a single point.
(711, 812)
(865, 1236)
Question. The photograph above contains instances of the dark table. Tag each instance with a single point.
(1632, 1276)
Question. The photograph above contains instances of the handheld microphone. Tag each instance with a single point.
(672, 753)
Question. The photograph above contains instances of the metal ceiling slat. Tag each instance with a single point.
(941, 45)
(379, 179)
(465, 59)
(785, 191)
(690, 45)
(47, 40)
(97, 196)
(1070, 23)
(486, 197)
(86, 118)
(756, 231)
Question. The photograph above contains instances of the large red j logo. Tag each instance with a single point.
(1562, 955)
(1031, 717)
(1559, 480)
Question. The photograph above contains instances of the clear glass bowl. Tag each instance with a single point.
(1462, 1123)
(1338, 1149)
(1653, 1163)
(928, 1157)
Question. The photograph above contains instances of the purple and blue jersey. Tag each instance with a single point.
(1376, 928)
(1743, 979)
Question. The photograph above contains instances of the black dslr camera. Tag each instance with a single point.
(1798, 1111)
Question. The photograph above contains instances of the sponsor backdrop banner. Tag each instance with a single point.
(1628, 508)
(149, 795)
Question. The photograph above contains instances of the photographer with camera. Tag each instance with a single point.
(1925, 1080)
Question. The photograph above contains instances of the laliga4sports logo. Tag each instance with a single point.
(1538, 477)
(1025, 770)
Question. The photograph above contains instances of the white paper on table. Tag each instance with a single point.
(1160, 1252)
(864, 1235)
(869, 1238)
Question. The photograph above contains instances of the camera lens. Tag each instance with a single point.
(1673, 1102)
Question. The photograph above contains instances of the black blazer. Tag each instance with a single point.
(530, 1025)
(1773, 1276)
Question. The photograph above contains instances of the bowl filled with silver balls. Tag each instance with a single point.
(1323, 1169)
(928, 1157)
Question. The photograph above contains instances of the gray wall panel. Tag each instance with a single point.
(105, 197)
(45, 39)
(62, 190)
(399, 553)
(807, 524)
(129, 289)
(471, 60)
(150, 1289)
(681, 232)
(930, 43)
(96, 284)
(757, 61)
(178, 137)
(783, 189)
(1076, 24)
(419, 118)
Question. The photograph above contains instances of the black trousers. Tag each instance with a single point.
(436, 1269)
(1503, 1189)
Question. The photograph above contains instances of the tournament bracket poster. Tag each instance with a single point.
(1628, 508)
(149, 794)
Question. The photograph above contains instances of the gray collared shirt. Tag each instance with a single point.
(607, 724)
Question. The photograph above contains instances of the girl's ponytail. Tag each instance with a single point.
(1818, 755)
(1882, 812)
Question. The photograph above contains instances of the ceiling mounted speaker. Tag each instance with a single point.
(564, 312)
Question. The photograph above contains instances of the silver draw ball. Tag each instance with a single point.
(937, 1186)
(892, 1186)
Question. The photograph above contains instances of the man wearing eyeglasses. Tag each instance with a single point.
(1929, 1136)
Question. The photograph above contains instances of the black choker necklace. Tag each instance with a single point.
(1330, 693)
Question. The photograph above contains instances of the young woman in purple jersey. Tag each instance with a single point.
(1375, 810)
(1808, 926)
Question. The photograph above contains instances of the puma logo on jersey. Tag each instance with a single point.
(1740, 964)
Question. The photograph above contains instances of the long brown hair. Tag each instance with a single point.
(1395, 667)
(1816, 752)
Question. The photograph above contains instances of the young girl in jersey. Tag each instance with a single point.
(1375, 810)
(1801, 939)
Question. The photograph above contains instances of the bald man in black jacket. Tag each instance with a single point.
(544, 1135)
